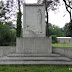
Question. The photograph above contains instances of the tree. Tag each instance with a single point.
(55, 30)
(54, 39)
(70, 27)
(10, 4)
(68, 5)
(47, 27)
(19, 20)
(19, 24)
(58, 32)
(7, 34)
(51, 31)
(48, 4)
(67, 30)
(3, 11)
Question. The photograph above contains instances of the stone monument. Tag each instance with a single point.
(34, 20)
(34, 40)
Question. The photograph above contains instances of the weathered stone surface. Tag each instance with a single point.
(35, 59)
(5, 50)
(33, 55)
(66, 51)
(34, 45)
(33, 20)
(35, 62)
(54, 60)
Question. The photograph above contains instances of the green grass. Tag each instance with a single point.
(62, 45)
(37, 68)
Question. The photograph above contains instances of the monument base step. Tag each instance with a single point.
(34, 59)
(35, 63)
(51, 59)
(33, 55)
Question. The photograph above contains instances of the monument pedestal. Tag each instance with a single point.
(34, 40)
(33, 45)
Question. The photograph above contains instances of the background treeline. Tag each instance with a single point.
(55, 31)
(7, 29)
(7, 34)
(60, 32)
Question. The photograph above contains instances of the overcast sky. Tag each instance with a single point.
(60, 18)
(31, 1)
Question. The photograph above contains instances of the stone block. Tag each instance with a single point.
(34, 45)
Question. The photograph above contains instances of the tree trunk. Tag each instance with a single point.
(19, 27)
(47, 26)
(19, 4)
(70, 15)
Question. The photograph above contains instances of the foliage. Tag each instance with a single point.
(3, 11)
(19, 24)
(7, 34)
(11, 6)
(55, 30)
(51, 32)
(70, 27)
(58, 32)
(67, 30)
(68, 5)
(19, 27)
(48, 5)
(54, 39)
(2, 8)
(51, 4)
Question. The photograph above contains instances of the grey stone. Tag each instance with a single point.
(34, 20)
(5, 50)
(34, 45)
(33, 55)
(66, 51)
(35, 59)
(35, 62)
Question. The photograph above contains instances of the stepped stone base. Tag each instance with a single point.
(35, 63)
(33, 55)
(34, 45)
(32, 59)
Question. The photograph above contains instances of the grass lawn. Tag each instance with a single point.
(37, 68)
(62, 45)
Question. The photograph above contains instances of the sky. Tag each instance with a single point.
(31, 1)
(60, 18)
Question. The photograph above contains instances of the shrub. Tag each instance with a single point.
(54, 39)
(7, 35)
